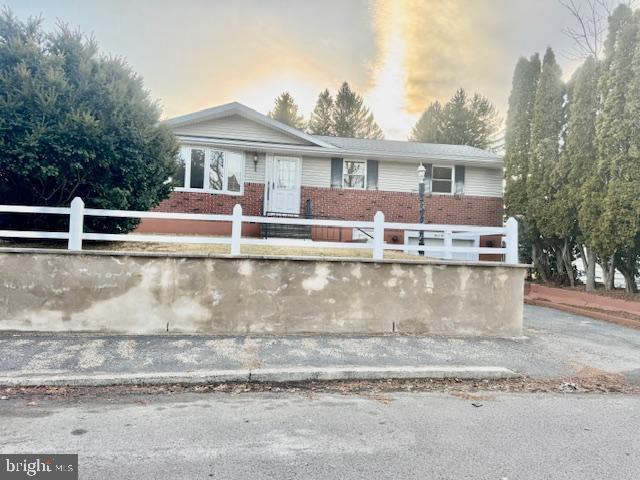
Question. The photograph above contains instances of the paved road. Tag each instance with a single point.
(555, 344)
(285, 435)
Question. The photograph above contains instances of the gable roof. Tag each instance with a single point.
(236, 108)
(432, 150)
(334, 146)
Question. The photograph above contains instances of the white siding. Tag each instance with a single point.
(392, 176)
(484, 182)
(238, 128)
(254, 174)
(316, 172)
(402, 177)
(397, 177)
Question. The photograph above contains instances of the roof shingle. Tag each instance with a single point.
(408, 148)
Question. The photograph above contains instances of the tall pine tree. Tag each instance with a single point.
(285, 110)
(482, 123)
(351, 118)
(429, 128)
(462, 121)
(321, 121)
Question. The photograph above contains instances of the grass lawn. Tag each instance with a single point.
(257, 250)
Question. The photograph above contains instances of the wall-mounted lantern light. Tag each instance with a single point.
(421, 173)
(255, 162)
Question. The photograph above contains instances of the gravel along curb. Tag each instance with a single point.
(272, 375)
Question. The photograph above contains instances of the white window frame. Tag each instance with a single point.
(453, 179)
(344, 166)
(207, 169)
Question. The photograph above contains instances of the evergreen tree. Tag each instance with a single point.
(517, 149)
(75, 123)
(546, 127)
(351, 118)
(580, 185)
(619, 149)
(482, 124)
(455, 117)
(518, 133)
(285, 110)
(578, 160)
(321, 121)
(429, 128)
(607, 214)
(462, 121)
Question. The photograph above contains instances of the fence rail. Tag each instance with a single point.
(77, 212)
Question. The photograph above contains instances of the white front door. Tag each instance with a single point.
(283, 185)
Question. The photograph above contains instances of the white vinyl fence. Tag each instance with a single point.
(77, 212)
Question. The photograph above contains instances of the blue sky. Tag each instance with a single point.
(399, 54)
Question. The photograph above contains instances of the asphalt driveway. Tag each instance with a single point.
(555, 344)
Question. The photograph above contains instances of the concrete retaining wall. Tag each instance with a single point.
(154, 293)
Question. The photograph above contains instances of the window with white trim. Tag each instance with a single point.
(354, 174)
(442, 179)
(206, 169)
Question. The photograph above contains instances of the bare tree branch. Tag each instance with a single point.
(590, 19)
(589, 31)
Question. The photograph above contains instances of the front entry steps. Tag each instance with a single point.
(281, 230)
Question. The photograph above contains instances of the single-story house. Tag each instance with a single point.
(232, 154)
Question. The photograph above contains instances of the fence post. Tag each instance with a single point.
(378, 236)
(448, 244)
(511, 240)
(76, 224)
(236, 229)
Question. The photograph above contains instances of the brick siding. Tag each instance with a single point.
(334, 203)
(202, 202)
(403, 206)
(211, 203)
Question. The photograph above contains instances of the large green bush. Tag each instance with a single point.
(76, 123)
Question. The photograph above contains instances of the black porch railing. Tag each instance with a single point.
(321, 233)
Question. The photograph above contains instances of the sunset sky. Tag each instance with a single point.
(399, 54)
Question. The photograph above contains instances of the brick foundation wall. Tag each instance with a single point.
(212, 203)
(215, 203)
(403, 206)
(335, 203)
